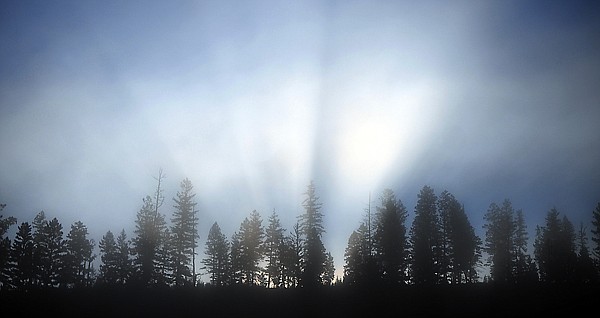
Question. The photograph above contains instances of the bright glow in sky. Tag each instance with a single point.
(251, 100)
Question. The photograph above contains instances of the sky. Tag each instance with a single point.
(252, 100)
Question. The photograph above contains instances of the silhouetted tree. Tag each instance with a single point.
(293, 256)
(596, 231)
(328, 275)
(460, 246)
(425, 239)
(184, 235)
(274, 247)
(499, 244)
(124, 266)
(390, 241)
(236, 259)
(165, 260)
(585, 270)
(110, 258)
(217, 256)
(555, 249)
(150, 235)
(251, 248)
(311, 227)
(5, 224)
(52, 263)
(356, 257)
(39, 247)
(21, 258)
(149, 230)
(77, 265)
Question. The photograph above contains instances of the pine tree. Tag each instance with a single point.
(79, 256)
(499, 241)
(149, 231)
(40, 250)
(236, 259)
(294, 256)
(21, 258)
(274, 248)
(5, 243)
(109, 258)
(328, 275)
(311, 227)
(424, 238)
(460, 251)
(356, 257)
(251, 248)
(184, 235)
(150, 238)
(390, 241)
(124, 268)
(53, 263)
(217, 256)
(555, 249)
(521, 261)
(586, 272)
(596, 231)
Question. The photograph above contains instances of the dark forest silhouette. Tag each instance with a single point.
(428, 267)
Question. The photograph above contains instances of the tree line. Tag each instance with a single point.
(440, 247)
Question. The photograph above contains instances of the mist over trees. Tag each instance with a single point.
(439, 247)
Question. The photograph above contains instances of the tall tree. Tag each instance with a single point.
(124, 266)
(596, 231)
(184, 235)
(150, 235)
(251, 248)
(521, 260)
(217, 256)
(424, 238)
(555, 249)
(109, 257)
(21, 258)
(79, 256)
(149, 231)
(5, 224)
(356, 257)
(460, 246)
(586, 271)
(52, 264)
(390, 241)
(40, 251)
(499, 243)
(274, 248)
(294, 256)
(311, 227)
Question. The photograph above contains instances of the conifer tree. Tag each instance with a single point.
(390, 241)
(109, 257)
(499, 243)
(184, 235)
(78, 256)
(5, 224)
(217, 256)
(424, 238)
(555, 249)
(274, 248)
(124, 266)
(21, 258)
(311, 227)
(356, 257)
(251, 248)
(150, 240)
(596, 231)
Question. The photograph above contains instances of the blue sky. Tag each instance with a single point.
(251, 100)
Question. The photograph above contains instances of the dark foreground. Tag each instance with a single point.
(481, 300)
